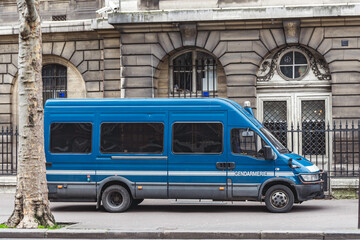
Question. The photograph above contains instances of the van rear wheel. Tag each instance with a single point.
(116, 198)
(279, 199)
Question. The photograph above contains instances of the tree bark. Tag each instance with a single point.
(31, 198)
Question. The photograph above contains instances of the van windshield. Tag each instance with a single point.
(276, 143)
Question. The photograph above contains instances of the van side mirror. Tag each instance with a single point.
(268, 153)
(247, 133)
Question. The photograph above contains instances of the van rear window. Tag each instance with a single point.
(197, 138)
(132, 138)
(70, 137)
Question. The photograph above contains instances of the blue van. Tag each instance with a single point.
(117, 152)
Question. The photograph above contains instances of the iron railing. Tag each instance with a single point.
(333, 147)
(9, 146)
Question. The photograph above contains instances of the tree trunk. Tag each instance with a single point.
(31, 199)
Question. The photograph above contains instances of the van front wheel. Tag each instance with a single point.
(116, 198)
(279, 199)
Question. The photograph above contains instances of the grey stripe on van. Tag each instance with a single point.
(132, 173)
(139, 157)
(171, 173)
(70, 172)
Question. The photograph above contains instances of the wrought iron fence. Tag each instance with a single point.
(9, 146)
(333, 147)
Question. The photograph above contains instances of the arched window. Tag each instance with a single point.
(54, 78)
(193, 74)
(293, 64)
(293, 91)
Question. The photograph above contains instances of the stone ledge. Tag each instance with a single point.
(52, 27)
(7, 184)
(344, 183)
(240, 13)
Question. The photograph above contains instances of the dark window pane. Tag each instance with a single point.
(182, 73)
(186, 82)
(275, 119)
(183, 60)
(132, 138)
(300, 71)
(287, 71)
(197, 137)
(247, 142)
(70, 137)
(313, 139)
(287, 59)
(54, 79)
(300, 58)
(313, 110)
(313, 125)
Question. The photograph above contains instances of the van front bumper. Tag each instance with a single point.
(309, 191)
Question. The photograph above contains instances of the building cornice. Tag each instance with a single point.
(52, 27)
(234, 14)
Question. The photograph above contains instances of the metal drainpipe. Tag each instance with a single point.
(103, 67)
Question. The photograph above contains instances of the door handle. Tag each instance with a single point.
(221, 165)
(230, 165)
(225, 165)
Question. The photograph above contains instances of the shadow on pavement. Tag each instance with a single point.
(191, 208)
(75, 208)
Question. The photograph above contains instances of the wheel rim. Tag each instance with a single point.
(279, 199)
(115, 199)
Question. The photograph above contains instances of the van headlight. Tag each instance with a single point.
(310, 177)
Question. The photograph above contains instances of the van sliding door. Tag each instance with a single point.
(133, 149)
(195, 155)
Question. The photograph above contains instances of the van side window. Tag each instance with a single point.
(70, 137)
(244, 141)
(197, 138)
(132, 138)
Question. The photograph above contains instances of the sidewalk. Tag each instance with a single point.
(117, 234)
(317, 219)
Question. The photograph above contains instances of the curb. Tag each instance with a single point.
(118, 234)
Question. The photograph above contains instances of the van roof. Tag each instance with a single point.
(123, 102)
(135, 101)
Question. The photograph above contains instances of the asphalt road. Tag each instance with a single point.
(186, 215)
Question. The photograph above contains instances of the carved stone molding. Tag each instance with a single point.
(291, 30)
(317, 65)
(188, 33)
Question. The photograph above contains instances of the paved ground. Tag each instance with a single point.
(169, 215)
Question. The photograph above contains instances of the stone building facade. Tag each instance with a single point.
(294, 63)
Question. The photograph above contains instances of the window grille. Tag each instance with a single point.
(54, 78)
(193, 75)
(59, 18)
(313, 125)
(275, 119)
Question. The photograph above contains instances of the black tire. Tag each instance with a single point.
(116, 198)
(279, 199)
(136, 202)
